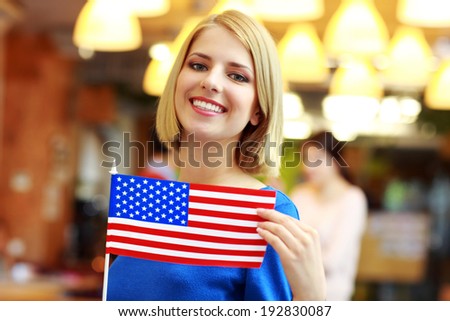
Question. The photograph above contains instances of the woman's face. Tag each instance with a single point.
(318, 165)
(215, 94)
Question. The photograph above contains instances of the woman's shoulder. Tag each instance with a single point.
(356, 200)
(356, 193)
(283, 203)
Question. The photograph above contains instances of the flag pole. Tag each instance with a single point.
(112, 171)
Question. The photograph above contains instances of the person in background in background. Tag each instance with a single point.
(336, 208)
(225, 88)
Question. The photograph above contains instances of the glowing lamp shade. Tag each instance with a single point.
(292, 106)
(149, 8)
(399, 110)
(289, 10)
(356, 28)
(302, 55)
(409, 59)
(421, 13)
(354, 111)
(356, 78)
(245, 6)
(437, 92)
(354, 95)
(296, 129)
(107, 25)
(156, 75)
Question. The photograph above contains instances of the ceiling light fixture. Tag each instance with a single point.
(302, 55)
(107, 25)
(356, 77)
(356, 28)
(409, 59)
(149, 8)
(437, 94)
(289, 10)
(420, 13)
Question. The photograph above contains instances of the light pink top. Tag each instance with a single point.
(340, 223)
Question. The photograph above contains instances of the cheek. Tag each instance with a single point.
(247, 100)
(253, 100)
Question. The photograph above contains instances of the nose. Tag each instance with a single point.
(212, 81)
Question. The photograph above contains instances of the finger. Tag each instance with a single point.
(281, 233)
(303, 233)
(292, 224)
(276, 242)
(273, 215)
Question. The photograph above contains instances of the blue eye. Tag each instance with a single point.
(197, 66)
(238, 78)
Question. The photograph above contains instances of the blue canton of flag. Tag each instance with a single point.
(144, 199)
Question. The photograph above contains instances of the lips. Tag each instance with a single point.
(208, 105)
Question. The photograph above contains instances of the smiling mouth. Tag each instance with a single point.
(207, 106)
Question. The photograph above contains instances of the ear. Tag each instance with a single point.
(254, 119)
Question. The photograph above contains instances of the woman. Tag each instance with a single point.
(225, 88)
(336, 208)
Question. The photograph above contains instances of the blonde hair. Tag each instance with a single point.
(263, 141)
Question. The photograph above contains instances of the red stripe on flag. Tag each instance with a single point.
(183, 260)
(227, 202)
(210, 213)
(180, 247)
(188, 236)
(223, 227)
(232, 190)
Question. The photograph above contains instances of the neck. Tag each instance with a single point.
(331, 188)
(205, 167)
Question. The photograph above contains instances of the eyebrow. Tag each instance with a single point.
(233, 64)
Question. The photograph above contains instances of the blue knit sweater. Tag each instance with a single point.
(144, 280)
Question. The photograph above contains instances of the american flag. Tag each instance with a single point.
(185, 223)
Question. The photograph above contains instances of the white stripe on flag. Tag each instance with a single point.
(232, 196)
(221, 220)
(185, 229)
(222, 208)
(173, 240)
(190, 255)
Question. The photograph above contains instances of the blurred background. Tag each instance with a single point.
(77, 74)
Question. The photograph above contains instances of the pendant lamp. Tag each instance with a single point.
(245, 6)
(149, 8)
(356, 77)
(107, 25)
(437, 92)
(354, 94)
(424, 13)
(157, 71)
(409, 59)
(356, 28)
(302, 55)
(156, 75)
(289, 10)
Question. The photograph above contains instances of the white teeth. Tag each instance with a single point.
(207, 106)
